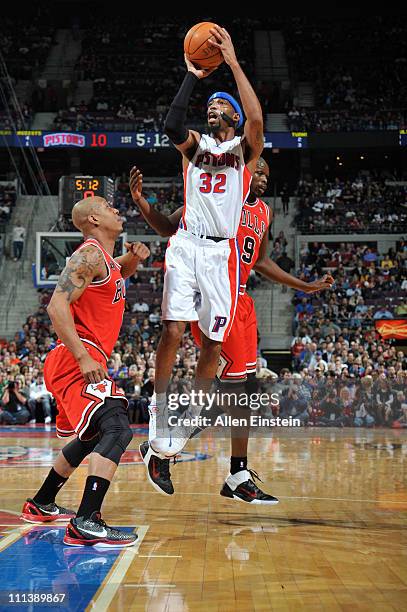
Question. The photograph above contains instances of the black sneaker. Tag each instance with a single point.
(241, 487)
(158, 470)
(93, 531)
(33, 512)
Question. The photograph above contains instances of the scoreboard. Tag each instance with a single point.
(74, 188)
(403, 138)
(125, 140)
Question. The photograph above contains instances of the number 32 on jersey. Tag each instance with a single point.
(212, 183)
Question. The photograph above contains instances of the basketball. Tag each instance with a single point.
(198, 47)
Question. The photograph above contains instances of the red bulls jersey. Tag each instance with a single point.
(254, 222)
(98, 313)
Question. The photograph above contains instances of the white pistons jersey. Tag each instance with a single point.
(216, 185)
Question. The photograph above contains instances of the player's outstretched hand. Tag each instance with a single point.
(201, 73)
(222, 40)
(323, 283)
(92, 370)
(136, 184)
(137, 249)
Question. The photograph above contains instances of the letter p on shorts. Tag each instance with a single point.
(219, 322)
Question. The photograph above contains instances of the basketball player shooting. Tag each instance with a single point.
(236, 372)
(86, 310)
(201, 281)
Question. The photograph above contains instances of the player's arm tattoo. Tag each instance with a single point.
(82, 268)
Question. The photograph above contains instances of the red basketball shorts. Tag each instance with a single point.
(77, 400)
(239, 351)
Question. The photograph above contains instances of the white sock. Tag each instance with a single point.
(234, 480)
(158, 409)
(160, 399)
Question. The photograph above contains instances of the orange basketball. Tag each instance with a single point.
(198, 48)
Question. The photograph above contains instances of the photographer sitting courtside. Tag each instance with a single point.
(14, 406)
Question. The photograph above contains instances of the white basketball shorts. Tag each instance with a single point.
(201, 283)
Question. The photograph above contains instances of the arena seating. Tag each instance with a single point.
(25, 48)
(364, 204)
(357, 67)
(128, 73)
(359, 87)
(335, 338)
(24, 51)
(8, 197)
(304, 120)
(335, 346)
(348, 93)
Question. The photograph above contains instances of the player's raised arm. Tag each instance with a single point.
(162, 224)
(85, 265)
(253, 141)
(185, 140)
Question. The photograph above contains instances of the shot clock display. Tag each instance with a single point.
(75, 188)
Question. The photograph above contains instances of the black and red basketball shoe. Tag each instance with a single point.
(158, 469)
(93, 531)
(241, 487)
(33, 512)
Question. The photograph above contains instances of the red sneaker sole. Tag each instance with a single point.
(32, 518)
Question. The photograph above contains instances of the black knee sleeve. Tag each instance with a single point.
(76, 450)
(251, 384)
(240, 391)
(232, 396)
(114, 429)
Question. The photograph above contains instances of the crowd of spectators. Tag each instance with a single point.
(342, 400)
(24, 48)
(335, 56)
(167, 197)
(8, 196)
(364, 204)
(136, 76)
(344, 373)
(356, 67)
(16, 120)
(353, 375)
(304, 120)
(23, 398)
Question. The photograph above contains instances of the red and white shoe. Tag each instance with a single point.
(33, 512)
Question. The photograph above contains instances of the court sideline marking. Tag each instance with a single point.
(344, 499)
(14, 535)
(111, 583)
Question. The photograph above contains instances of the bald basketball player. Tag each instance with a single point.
(86, 310)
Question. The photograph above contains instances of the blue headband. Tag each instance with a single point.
(225, 96)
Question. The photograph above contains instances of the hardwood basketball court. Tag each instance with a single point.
(336, 541)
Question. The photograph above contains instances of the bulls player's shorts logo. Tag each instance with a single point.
(219, 322)
(102, 386)
(101, 389)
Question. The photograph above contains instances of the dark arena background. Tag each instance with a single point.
(85, 90)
